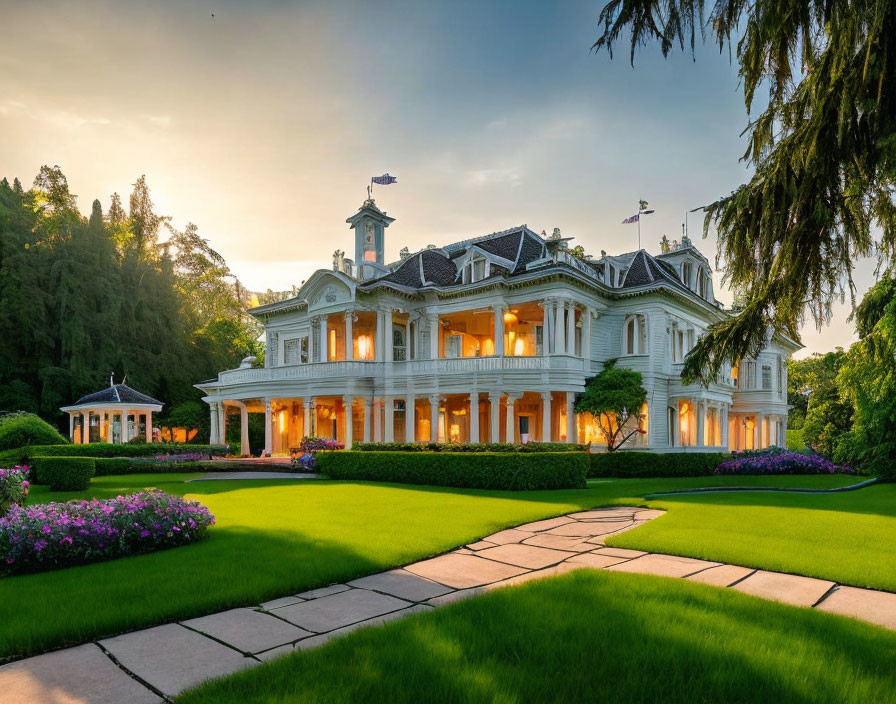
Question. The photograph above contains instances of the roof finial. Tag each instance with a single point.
(112, 379)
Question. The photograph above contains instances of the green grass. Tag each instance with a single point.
(276, 538)
(586, 637)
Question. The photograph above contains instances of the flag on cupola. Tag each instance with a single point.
(384, 180)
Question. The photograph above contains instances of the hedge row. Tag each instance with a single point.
(106, 466)
(471, 470)
(63, 473)
(655, 464)
(467, 447)
(103, 449)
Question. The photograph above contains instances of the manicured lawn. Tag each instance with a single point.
(848, 537)
(275, 538)
(587, 637)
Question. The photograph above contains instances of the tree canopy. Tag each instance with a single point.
(83, 297)
(823, 150)
(615, 397)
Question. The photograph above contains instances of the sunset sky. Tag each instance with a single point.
(262, 122)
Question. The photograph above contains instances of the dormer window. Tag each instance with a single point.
(686, 273)
(476, 269)
(701, 283)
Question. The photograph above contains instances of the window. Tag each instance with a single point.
(634, 335)
(734, 372)
(476, 269)
(780, 377)
(304, 353)
(751, 375)
(766, 377)
(701, 283)
(399, 350)
(686, 273)
(453, 346)
(291, 350)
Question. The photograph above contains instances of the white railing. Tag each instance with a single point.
(356, 368)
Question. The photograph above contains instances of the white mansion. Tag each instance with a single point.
(489, 340)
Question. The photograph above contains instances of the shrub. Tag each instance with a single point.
(467, 447)
(20, 429)
(137, 440)
(53, 535)
(63, 473)
(481, 470)
(112, 465)
(313, 444)
(13, 487)
(22, 455)
(654, 464)
(778, 461)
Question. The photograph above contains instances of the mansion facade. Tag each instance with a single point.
(489, 340)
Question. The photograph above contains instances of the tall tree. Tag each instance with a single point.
(823, 151)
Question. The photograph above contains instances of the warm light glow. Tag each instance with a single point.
(364, 347)
(454, 432)
(282, 415)
(510, 317)
(518, 347)
(685, 407)
(562, 426)
(332, 345)
(488, 347)
(750, 424)
(460, 412)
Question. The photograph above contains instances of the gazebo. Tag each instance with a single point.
(115, 415)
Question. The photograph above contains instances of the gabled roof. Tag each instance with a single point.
(645, 269)
(119, 393)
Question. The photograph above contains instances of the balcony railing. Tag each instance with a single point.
(357, 368)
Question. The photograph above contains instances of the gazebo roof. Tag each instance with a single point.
(117, 393)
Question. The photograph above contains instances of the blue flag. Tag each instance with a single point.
(384, 180)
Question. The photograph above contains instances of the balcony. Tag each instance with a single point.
(431, 367)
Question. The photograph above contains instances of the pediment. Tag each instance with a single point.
(327, 288)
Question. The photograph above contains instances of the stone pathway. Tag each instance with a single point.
(156, 664)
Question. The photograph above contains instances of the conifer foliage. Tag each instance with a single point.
(83, 297)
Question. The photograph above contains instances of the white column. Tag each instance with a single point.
(366, 403)
(307, 405)
(545, 327)
(409, 418)
(723, 420)
(377, 421)
(494, 399)
(433, 335)
(389, 418)
(434, 418)
(676, 426)
(347, 402)
(474, 416)
(586, 335)
(222, 423)
(71, 427)
(213, 424)
(349, 343)
(148, 427)
(559, 327)
(510, 419)
(407, 339)
(323, 339)
(700, 408)
(571, 329)
(387, 335)
(312, 352)
(546, 416)
(571, 429)
(268, 429)
(757, 433)
(499, 330)
(244, 430)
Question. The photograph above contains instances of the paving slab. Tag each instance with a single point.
(662, 565)
(788, 588)
(509, 536)
(71, 676)
(318, 640)
(721, 576)
(620, 552)
(323, 591)
(559, 542)
(282, 601)
(546, 524)
(647, 514)
(277, 652)
(528, 556)
(603, 513)
(481, 545)
(459, 595)
(462, 571)
(589, 529)
(590, 559)
(552, 571)
(403, 584)
(247, 630)
(866, 604)
(337, 610)
(173, 658)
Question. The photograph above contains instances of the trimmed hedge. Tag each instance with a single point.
(512, 471)
(125, 465)
(467, 447)
(112, 465)
(19, 429)
(655, 464)
(63, 473)
(104, 449)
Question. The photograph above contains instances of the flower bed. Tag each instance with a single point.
(13, 487)
(53, 535)
(779, 461)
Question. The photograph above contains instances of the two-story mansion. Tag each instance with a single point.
(489, 340)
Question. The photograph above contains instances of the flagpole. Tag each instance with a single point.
(639, 225)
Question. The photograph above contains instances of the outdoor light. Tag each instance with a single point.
(685, 407)
(518, 347)
(364, 347)
(510, 317)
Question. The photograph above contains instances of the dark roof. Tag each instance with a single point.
(119, 393)
(437, 268)
(504, 246)
(645, 269)
(532, 249)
